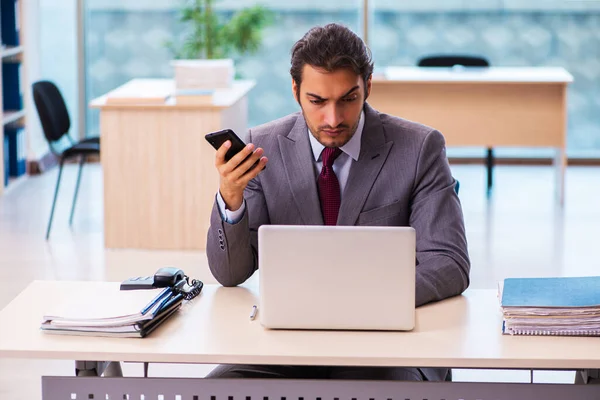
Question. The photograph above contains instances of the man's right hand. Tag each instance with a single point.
(235, 174)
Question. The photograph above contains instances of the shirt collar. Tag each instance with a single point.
(352, 148)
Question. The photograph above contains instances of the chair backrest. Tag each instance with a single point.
(51, 109)
(452, 60)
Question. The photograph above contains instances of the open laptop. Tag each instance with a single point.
(337, 277)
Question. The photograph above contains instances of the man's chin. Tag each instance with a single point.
(337, 141)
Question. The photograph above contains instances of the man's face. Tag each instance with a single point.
(331, 103)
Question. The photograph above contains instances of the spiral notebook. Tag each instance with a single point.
(113, 313)
(558, 306)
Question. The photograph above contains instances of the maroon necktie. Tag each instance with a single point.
(329, 187)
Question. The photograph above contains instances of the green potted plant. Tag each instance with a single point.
(204, 58)
(211, 36)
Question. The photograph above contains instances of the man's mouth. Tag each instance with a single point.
(333, 132)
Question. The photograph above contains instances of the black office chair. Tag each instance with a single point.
(452, 60)
(56, 123)
(465, 61)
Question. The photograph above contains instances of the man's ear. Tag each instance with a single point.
(295, 90)
(368, 87)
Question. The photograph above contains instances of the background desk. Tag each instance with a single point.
(159, 175)
(493, 107)
(462, 332)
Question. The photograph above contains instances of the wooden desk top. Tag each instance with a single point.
(462, 332)
(475, 75)
(154, 94)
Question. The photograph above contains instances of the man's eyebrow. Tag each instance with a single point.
(346, 94)
(315, 96)
(350, 91)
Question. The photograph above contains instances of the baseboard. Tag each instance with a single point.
(43, 164)
(93, 159)
(49, 161)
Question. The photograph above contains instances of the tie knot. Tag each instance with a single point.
(329, 155)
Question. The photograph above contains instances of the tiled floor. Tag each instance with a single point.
(519, 231)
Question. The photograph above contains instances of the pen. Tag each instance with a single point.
(253, 313)
(155, 301)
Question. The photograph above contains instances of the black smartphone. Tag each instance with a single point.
(216, 139)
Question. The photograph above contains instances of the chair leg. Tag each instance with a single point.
(490, 167)
(81, 162)
(55, 196)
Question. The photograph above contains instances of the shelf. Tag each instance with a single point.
(11, 51)
(12, 116)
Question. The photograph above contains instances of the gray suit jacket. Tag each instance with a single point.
(402, 178)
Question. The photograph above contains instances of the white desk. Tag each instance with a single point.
(462, 332)
(483, 107)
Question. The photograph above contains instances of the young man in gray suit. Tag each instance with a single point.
(341, 162)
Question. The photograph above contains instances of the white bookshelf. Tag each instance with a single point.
(11, 51)
(8, 117)
(8, 54)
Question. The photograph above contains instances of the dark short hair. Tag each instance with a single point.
(331, 47)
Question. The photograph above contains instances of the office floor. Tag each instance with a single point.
(519, 231)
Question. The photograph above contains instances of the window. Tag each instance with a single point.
(507, 33)
(125, 39)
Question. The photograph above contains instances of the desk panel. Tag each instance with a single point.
(479, 114)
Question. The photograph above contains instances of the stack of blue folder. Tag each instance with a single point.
(568, 306)
(98, 316)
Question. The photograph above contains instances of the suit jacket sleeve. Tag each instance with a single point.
(442, 258)
(232, 249)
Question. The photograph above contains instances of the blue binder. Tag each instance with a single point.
(16, 150)
(8, 13)
(6, 160)
(11, 89)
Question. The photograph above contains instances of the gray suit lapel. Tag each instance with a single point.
(299, 169)
(373, 153)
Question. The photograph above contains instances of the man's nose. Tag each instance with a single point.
(333, 116)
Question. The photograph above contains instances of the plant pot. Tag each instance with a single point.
(203, 74)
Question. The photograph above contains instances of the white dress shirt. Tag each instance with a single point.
(341, 167)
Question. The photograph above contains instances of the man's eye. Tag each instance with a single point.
(317, 101)
(349, 99)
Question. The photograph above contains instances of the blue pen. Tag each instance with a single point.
(168, 301)
(158, 298)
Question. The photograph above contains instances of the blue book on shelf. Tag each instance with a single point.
(551, 292)
(17, 156)
(6, 160)
(11, 88)
(9, 25)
